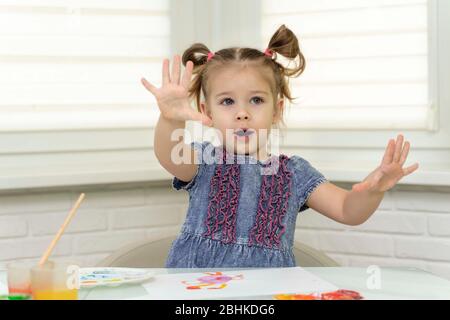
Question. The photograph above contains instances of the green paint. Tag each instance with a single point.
(16, 297)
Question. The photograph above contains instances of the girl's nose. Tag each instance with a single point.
(242, 115)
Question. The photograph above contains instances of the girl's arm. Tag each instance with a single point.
(173, 102)
(163, 146)
(356, 206)
(347, 207)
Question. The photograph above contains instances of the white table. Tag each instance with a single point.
(396, 283)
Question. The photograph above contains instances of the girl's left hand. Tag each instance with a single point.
(390, 171)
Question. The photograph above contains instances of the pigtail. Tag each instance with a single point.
(198, 54)
(285, 43)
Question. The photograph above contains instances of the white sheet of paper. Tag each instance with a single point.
(257, 282)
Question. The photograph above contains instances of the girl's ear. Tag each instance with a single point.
(277, 112)
(204, 108)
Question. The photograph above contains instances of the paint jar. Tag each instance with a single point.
(55, 281)
(19, 280)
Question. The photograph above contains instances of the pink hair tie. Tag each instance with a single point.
(268, 52)
(210, 55)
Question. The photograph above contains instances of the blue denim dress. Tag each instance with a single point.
(242, 212)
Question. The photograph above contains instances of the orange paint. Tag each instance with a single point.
(21, 290)
(335, 295)
(294, 297)
(56, 295)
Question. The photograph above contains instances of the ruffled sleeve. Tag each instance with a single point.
(199, 148)
(307, 179)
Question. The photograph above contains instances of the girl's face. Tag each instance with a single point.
(241, 106)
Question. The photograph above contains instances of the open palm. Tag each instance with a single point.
(173, 96)
(391, 169)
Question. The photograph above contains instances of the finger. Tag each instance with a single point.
(149, 86)
(389, 153)
(360, 186)
(165, 72)
(176, 69)
(404, 153)
(187, 74)
(410, 169)
(356, 187)
(398, 148)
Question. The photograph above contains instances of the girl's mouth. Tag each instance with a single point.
(243, 132)
(243, 135)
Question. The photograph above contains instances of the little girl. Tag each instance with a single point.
(237, 216)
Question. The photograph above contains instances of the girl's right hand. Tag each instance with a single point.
(173, 96)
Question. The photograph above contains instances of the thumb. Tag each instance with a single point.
(148, 86)
(205, 120)
(360, 186)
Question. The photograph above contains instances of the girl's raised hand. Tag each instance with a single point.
(391, 169)
(173, 96)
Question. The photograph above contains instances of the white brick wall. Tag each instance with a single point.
(411, 228)
(110, 217)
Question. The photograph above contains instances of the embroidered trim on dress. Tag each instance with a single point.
(272, 207)
(223, 201)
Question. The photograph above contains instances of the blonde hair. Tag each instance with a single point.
(283, 42)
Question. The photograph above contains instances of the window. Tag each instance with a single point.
(75, 64)
(367, 63)
(374, 69)
(72, 108)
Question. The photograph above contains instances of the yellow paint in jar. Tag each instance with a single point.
(56, 295)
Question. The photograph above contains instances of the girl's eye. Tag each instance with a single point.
(258, 100)
(226, 100)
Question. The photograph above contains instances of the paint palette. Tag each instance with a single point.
(92, 277)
